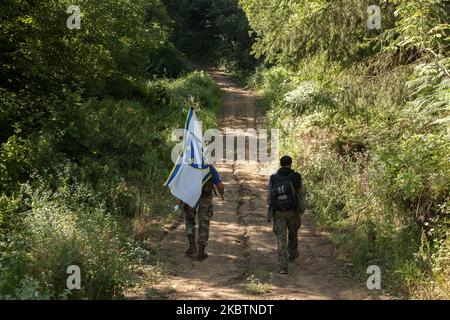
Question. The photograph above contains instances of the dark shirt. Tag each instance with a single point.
(207, 189)
(284, 171)
(215, 175)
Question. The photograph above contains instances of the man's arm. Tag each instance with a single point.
(269, 207)
(298, 183)
(268, 191)
(217, 181)
(221, 187)
(302, 189)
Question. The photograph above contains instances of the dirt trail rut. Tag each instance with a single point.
(242, 247)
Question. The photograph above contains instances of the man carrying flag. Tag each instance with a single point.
(192, 182)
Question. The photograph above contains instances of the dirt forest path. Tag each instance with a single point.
(242, 262)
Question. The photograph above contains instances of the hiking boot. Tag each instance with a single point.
(293, 256)
(202, 255)
(192, 247)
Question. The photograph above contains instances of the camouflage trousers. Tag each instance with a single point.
(286, 225)
(203, 214)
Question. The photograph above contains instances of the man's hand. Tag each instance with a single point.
(179, 202)
(269, 214)
(221, 188)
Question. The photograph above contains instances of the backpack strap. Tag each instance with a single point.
(294, 192)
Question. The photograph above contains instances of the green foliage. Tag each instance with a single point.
(430, 88)
(308, 28)
(215, 31)
(258, 287)
(309, 95)
(167, 61)
(29, 289)
(201, 90)
(56, 236)
(421, 26)
(113, 42)
(366, 115)
(86, 122)
(90, 160)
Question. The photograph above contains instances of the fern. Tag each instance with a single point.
(430, 94)
(309, 96)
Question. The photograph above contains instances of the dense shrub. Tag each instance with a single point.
(94, 160)
(85, 139)
(167, 61)
(365, 112)
(371, 174)
(58, 231)
(213, 31)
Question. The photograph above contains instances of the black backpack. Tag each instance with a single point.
(282, 193)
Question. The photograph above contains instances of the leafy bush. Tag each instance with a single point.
(86, 119)
(366, 114)
(55, 236)
(114, 42)
(199, 87)
(212, 31)
(375, 168)
(91, 162)
(168, 62)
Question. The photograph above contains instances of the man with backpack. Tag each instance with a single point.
(286, 207)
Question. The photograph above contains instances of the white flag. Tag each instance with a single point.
(191, 170)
